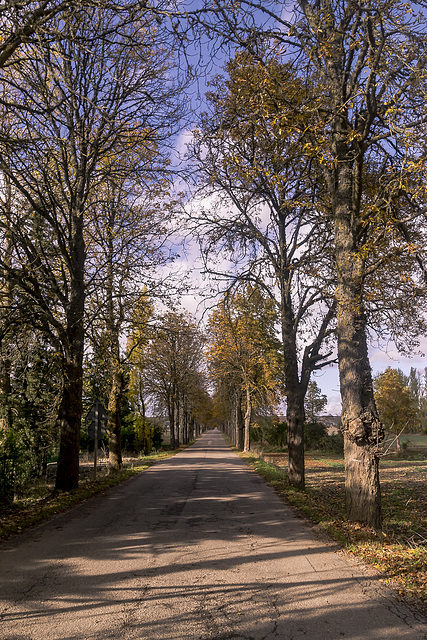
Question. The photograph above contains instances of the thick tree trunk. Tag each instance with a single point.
(362, 429)
(362, 486)
(295, 420)
(67, 475)
(294, 394)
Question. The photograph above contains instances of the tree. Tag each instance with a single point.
(126, 243)
(396, 404)
(370, 58)
(243, 350)
(173, 370)
(271, 216)
(112, 100)
(315, 401)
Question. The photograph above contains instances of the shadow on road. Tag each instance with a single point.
(197, 546)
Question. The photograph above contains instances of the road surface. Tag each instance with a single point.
(197, 547)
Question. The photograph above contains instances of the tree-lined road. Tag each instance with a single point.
(197, 547)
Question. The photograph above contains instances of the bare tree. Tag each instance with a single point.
(270, 218)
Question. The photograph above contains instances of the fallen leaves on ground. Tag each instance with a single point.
(400, 551)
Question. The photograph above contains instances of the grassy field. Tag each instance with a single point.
(400, 552)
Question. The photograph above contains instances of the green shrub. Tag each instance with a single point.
(316, 438)
(314, 435)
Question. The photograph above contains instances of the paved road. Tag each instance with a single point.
(195, 548)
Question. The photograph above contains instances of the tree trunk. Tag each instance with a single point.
(294, 393)
(67, 475)
(177, 415)
(362, 487)
(171, 416)
(239, 429)
(114, 423)
(362, 429)
(295, 420)
(248, 414)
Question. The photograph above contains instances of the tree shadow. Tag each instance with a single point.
(197, 545)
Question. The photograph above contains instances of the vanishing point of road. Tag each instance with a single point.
(197, 547)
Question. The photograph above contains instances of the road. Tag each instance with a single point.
(197, 547)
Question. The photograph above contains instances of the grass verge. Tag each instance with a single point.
(400, 551)
(22, 514)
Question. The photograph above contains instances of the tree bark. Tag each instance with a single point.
(238, 430)
(294, 393)
(114, 422)
(171, 415)
(67, 476)
(295, 419)
(362, 429)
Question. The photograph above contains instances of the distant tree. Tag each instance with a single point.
(315, 401)
(396, 404)
(172, 366)
(243, 348)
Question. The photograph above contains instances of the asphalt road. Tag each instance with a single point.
(197, 547)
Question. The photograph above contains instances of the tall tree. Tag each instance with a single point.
(126, 243)
(82, 101)
(271, 219)
(370, 59)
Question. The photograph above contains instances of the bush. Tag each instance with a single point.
(316, 438)
(147, 435)
(314, 435)
(275, 434)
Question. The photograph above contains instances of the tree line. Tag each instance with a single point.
(314, 145)
(89, 104)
